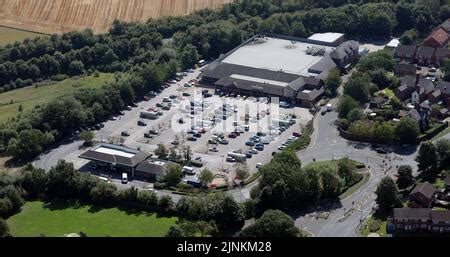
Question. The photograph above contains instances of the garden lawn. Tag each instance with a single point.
(30, 96)
(35, 219)
(10, 35)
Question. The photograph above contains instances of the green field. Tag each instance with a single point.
(35, 219)
(30, 96)
(9, 35)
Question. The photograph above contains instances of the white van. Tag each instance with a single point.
(188, 170)
(124, 178)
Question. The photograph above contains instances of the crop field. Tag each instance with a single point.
(56, 16)
(30, 96)
(59, 219)
(9, 35)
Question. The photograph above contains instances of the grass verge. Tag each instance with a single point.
(58, 219)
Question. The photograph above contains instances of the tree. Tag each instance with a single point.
(358, 87)
(333, 82)
(427, 158)
(62, 181)
(33, 180)
(165, 202)
(76, 68)
(273, 223)
(345, 171)
(4, 230)
(187, 154)
(405, 177)
(161, 151)
(87, 137)
(225, 211)
(6, 207)
(331, 183)
(387, 194)
(13, 195)
(345, 105)
(384, 132)
(103, 193)
(354, 115)
(443, 149)
(189, 57)
(175, 231)
(173, 176)
(242, 172)
(28, 144)
(206, 177)
(407, 131)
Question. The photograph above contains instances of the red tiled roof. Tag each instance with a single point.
(440, 35)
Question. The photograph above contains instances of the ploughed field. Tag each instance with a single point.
(56, 16)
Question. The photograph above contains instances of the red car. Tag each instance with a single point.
(297, 134)
(232, 135)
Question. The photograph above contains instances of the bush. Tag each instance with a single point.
(59, 77)
(159, 185)
(184, 186)
(4, 230)
(374, 225)
(5, 207)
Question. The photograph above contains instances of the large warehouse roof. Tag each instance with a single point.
(277, 54)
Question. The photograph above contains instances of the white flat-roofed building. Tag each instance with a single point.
(328, 37)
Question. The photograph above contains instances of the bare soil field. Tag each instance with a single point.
(56, 16)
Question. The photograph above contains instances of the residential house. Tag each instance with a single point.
(403, 69)
(407, 86)
(440, 55)
(446, 25)
(444, 93)
(377, 102)
(422, 196)
(419, 219)
(424, 88)
(424, 55)
(346, 54)
(437, 38)
(405, 53)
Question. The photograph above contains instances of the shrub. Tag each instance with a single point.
(59, 77)
(374, 225)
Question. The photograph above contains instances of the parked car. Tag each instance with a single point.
(231, 135)
(214, 149)
(175, 142)
(297, 134)
(125, 134)
(250, 143)
(253, 151)
(284, 104)
(192, 139)
(381, 150)
(124, 178)
(186, 94)
(259, 148)
(224, 142)
(197, 135)
(230, 159)
(258, 165)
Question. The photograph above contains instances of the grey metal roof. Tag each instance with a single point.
(426, 189)
(297, 84)
(219, 70)
(251, 85)
(324, 64)
(412, 213)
